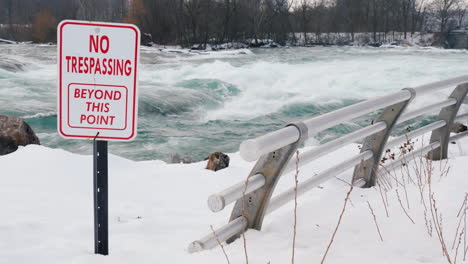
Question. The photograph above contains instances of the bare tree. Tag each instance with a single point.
(417, 15)
(405, 11)
(188, 22)
(256, 13)
(460, 9)
(9, 9)
(304, 17)
(444, 10)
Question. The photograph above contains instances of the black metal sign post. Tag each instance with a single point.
(101, 216)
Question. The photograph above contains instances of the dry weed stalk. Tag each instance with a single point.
(464, 238)
(458, 245)
(347, 183)
(436, 217)
(220, 244)
(375, 221)
(420, 169)
(383, 177)
(402, 207)
(243, 220)
(463, 206)
(339, 222)
(421, 184)
(402, 173)
(383, 200)
(407, 147)
(296, 182)
(461, 216)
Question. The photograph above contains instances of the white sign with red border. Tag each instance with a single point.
(97, 80)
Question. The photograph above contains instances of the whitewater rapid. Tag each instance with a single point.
(197, 103)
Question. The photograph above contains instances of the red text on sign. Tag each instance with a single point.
(97, 120)
(96, 44)
(97, 107)
(104, 66)
(99, 94)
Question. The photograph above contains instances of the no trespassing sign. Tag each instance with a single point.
(97, 80)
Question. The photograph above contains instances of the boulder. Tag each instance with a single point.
(15, 132)
(146, 39)
(217, 161)
(374, 44)
(187, 160)
(458, 128)
(174, 158)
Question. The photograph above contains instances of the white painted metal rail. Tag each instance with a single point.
(274, 151)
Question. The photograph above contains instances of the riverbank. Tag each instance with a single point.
(415, 39)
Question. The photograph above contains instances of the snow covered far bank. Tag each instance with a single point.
(366, 38)
(156, 209)
(187, 54)
(7, 41)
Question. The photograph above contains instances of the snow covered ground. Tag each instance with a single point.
(157, 209)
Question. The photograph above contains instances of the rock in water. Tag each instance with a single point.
(217, 161)
(15, 132)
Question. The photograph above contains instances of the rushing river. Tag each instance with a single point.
(197, 103)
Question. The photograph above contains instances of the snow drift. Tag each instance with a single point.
(156, 209)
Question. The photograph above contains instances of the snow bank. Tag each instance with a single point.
(366, 38)
(196, 54)
(156, 209)
(7, 41)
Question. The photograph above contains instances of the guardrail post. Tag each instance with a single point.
(367, 170)
(447, 114)
(255, 204)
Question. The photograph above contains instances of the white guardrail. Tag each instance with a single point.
(253, 198)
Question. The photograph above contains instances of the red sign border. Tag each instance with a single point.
(102, 85)
(137, 38)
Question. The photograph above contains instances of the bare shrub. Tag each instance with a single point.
(421, 174)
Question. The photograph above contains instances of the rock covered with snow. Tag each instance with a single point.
(6, 41)
(14, 132)
(232, 45)
(146, 39)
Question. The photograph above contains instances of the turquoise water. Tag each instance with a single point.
(197, 103)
